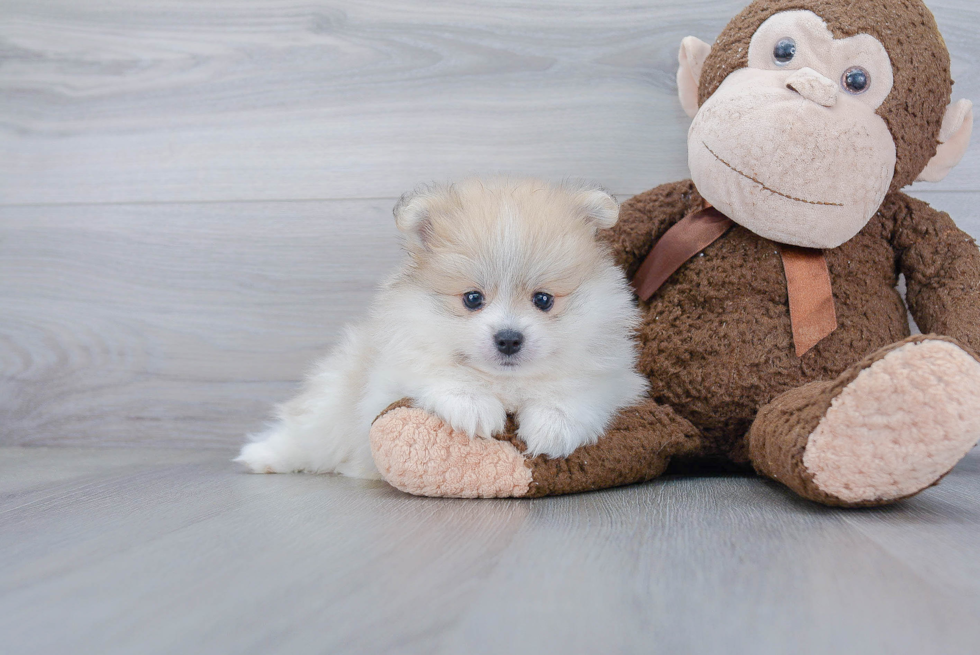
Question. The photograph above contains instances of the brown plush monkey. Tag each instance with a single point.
(783, 344)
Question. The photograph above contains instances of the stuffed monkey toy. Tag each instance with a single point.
(774, 336)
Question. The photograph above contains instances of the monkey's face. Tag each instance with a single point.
(791, 147)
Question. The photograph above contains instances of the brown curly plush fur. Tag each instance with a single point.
(717, 342)
(920, 62)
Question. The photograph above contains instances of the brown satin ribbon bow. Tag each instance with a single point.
(811, 299)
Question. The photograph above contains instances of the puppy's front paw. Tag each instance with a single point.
(552, 432)
(480, 416)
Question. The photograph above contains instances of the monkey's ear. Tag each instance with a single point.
(691, 58)
(954, 137)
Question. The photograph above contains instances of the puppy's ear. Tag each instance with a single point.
(413, 213)
(598, 206)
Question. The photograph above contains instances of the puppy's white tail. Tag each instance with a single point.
(321, 431)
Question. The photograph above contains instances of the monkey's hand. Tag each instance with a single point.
(941, 264)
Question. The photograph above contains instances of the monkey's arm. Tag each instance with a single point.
(645, 217)
(941, 264)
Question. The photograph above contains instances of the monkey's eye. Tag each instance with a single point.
(473, 300)
(784, 51)
(856, 80)
(543, 301)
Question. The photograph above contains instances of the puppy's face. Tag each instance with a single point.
(512, 269)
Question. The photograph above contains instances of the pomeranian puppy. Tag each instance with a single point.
(506, 303)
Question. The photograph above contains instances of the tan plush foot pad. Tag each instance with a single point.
(419, 454)
(901, 425)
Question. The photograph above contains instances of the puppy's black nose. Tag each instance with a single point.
(508, 341)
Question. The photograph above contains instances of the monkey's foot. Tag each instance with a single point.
(900, 425)
(887, 428)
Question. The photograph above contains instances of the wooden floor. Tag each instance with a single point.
(196, 196)
(163, 551)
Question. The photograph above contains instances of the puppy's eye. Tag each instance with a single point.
(784, 51)
(473, 300)
(543, 301)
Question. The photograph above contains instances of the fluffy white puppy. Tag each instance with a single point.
(505, 303)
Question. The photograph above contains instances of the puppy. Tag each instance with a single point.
(506, 303)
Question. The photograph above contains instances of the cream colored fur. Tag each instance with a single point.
(508, 239)
(899, 426)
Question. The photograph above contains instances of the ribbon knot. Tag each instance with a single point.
(811, 299)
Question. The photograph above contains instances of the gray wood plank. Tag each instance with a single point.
(109, 551)
(180, 325)
(174, 100)
(174, 324)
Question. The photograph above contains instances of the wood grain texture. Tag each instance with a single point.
(176, 100)
(141, 551)
(175, 324)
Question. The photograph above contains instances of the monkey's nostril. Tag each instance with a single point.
(508, 341)
(813, 86)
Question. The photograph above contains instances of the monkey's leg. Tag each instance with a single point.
(419, 454)
(887, 428)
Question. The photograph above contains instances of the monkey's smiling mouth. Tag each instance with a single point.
(766, 188)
